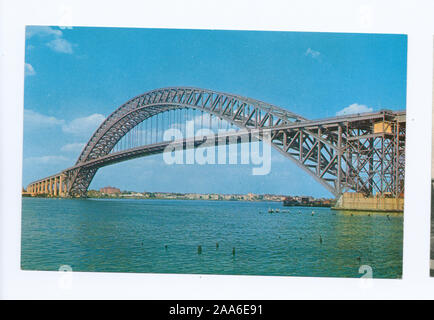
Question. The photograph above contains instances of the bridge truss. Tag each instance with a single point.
(363, 153)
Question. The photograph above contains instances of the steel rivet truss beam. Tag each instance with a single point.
(364, 152)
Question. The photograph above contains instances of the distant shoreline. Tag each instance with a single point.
(181, 199)
(185, 199)
(287, 201)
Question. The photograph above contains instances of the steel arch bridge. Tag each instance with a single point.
(364, 152)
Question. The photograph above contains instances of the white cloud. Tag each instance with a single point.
(60, 45)
(47, 159)
(33, 119)
(57, 43)
(354, 109)
(73, 147)
(83, 126)
(312, 53)
(29, 70)
(42, 31)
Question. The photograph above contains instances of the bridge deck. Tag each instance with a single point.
(320, 147)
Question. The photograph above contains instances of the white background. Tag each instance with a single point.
(415, 18)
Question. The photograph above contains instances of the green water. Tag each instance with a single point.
(162, 236)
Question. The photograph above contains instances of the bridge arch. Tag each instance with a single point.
(363, 152)
(243, 112)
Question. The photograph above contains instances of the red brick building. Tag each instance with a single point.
(110, 190)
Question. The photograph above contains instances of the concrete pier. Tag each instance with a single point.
(54, 186)
(359, 202)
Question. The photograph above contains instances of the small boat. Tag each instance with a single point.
(277, 210)
(270, 211)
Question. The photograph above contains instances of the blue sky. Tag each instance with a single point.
(76, 77)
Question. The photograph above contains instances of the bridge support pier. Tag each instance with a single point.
(354, 201)
(339, 152)
(60, 185)
(54, 186)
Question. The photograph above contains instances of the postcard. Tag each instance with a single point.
(214, 152)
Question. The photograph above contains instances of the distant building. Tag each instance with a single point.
(110, 190)
(251, 196)
(305, 200)
(290, 201)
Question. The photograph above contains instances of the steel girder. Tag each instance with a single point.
(242, 112)
(364, 153)
(341, 153)
(159, 147)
